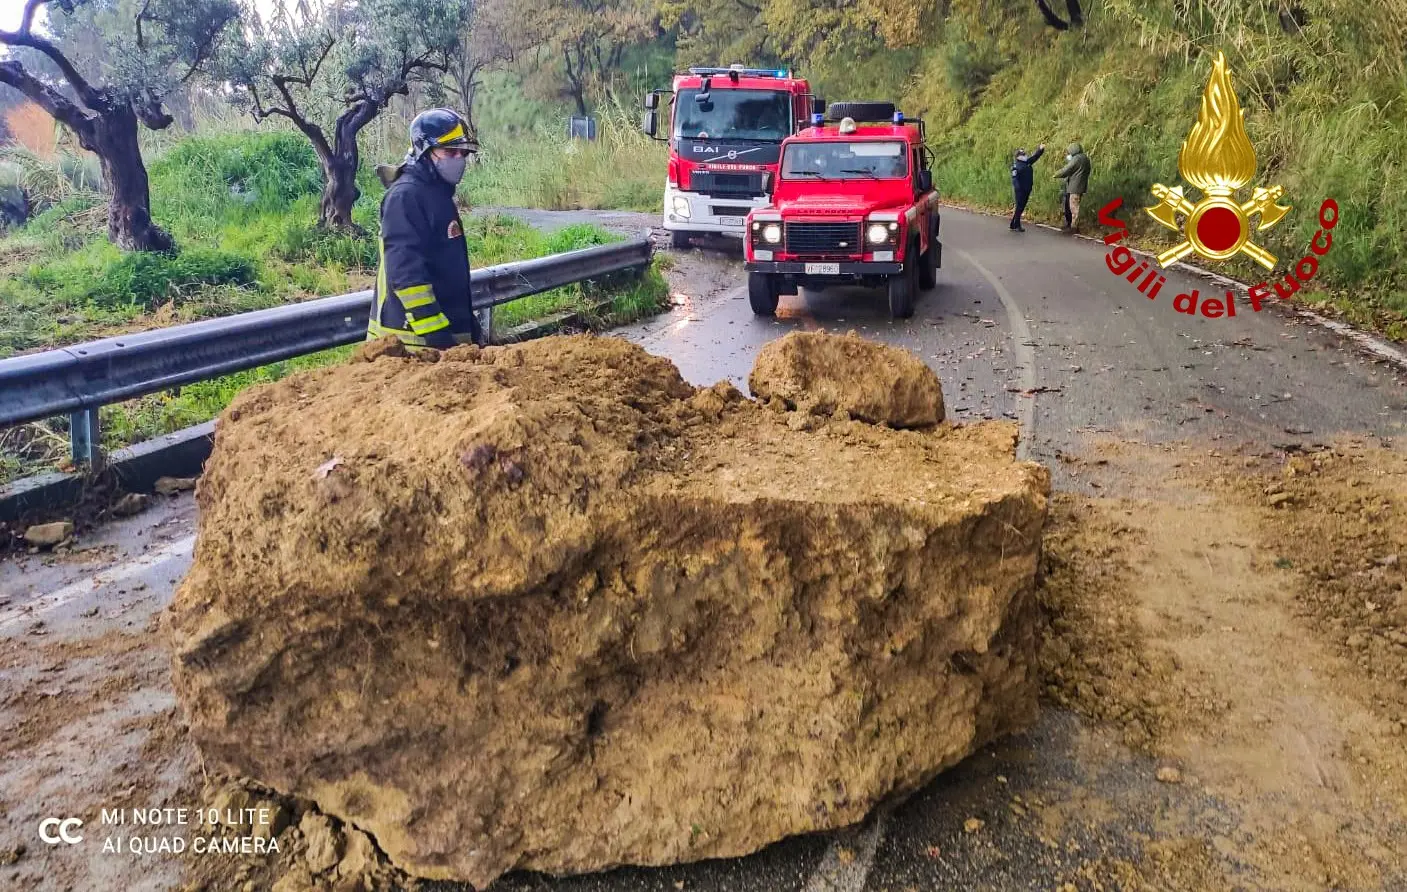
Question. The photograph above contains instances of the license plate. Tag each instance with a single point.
(822, 269)
(732, 221)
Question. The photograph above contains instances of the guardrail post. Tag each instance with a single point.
(85, 437)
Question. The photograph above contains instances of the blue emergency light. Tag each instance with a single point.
(742, 72)
(818, 120)
(898, 117)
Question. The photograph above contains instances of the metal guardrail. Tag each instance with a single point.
(78, 380)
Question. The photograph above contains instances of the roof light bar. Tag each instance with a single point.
(744, 72)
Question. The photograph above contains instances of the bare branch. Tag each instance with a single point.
(45, 96)
(141, 14)
(1051, 18)
(290, 111)
(23, 37)
(207, 45)
(30, 9)
(309, 76)
(149, 111)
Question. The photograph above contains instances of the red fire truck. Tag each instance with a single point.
(725, 132)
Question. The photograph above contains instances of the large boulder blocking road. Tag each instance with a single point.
(548, 606)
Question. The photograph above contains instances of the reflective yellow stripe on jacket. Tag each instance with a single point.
(422, 311)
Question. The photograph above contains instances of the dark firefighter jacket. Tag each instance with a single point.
(422, 286)
(1021, 176)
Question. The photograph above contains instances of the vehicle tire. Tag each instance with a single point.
(762, 294)
(903, 288)
(863, 111)
(678, 240)
(928, 266)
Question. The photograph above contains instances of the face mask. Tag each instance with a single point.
(450, 169)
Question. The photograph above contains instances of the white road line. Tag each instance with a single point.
(837, 874)
(1363, 339)
(32, 610)
(848, 874)
(1025, 358)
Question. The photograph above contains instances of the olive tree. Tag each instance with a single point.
(330, 69)
(165, 43)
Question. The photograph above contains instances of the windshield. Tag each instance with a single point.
(834, 160)
(733, 114)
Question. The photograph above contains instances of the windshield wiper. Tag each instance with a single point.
(762, 139)
(809, 173)
(869, 173)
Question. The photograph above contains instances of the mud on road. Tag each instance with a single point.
(1224, 675)
(1224, 704)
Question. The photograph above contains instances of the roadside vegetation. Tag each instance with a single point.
(243, 208)
(623, 169)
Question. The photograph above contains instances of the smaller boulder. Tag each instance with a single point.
(47, 535)
(169, 486)
(131, 504)
(868, 381)
(324, 842)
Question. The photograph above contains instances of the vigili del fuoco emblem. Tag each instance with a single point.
(1217, 158)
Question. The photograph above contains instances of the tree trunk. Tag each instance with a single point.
(113, 138)
(339, 190)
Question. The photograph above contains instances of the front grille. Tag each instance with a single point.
(823, 238)
(730, 210)
(711, 183)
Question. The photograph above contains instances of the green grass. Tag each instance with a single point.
(243, 208)
(622, 169)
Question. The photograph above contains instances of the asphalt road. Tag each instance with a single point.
(1031, 327)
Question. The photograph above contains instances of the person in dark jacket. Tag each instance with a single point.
(422, 284)
(1021, 181)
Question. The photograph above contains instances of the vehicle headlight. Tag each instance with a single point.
(681, 207)
(772, 233)
(879, 233)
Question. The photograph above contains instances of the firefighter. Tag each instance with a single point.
(422, 285)
(1021, 182)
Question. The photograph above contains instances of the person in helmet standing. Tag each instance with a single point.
(1021, 182)
(422, 292)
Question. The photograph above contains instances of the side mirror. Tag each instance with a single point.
(652, 101)
(925, 181)
(651, 123)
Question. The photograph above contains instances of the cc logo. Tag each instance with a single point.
(66, 828)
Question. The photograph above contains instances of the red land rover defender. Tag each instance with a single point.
(854, 203)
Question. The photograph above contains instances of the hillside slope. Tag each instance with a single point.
(1323, 84)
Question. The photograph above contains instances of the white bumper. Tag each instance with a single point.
(703, 212)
